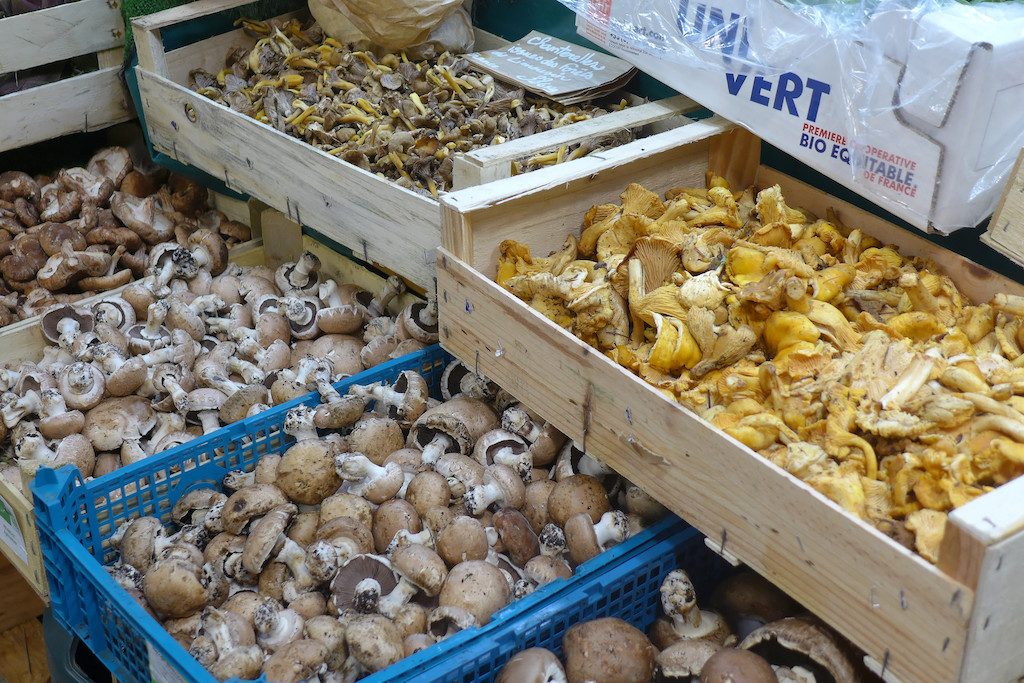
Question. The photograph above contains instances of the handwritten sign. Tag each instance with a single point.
(548, 66)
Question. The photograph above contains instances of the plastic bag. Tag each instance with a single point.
(912, 103)
(397, 24)
(454, 33)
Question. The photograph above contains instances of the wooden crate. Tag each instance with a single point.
(89, 101)
(379, 220)
(916, 621)
(19, 540)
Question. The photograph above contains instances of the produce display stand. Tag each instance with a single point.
(86, 102)
(20, 543)
(377, 219)
(916, 621)
(77, 519)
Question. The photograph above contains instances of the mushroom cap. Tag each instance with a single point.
(215, 246)
(685, 658)
(732, 664)
(204, 399)
(544, 569)
(747, 601)
(495, 440)
(534, 665)
(295, 662)
(347, 505)
(427, 489)
(442, 620)
(307, 474)
(521, 544)
(607, 650)
(265, 537)
(459, 379)
(237, 405)
(248, 503)
(173, 588)
(376, 437)
(421, 566)
(195, 500)
(139, 542)
(415, 392)
(415, 324)
(576, 494)
(535, 503)
(463, 419)
(478, 587)
(807, 640)
(389, 518)
(357, 569)
(374, 641)
(60, 312)
(416, 642)
(114, 420)
(464, 538)
(338, 528)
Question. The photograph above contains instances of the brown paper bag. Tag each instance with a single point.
(397, 24)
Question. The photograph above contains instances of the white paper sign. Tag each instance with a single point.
(10, 532)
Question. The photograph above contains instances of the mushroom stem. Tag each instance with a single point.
(219, 382)
(516, 420)
(68, 330)
(156, 314)
(438, 446)
(296, 310)
(8, 379)
(397, 598)
(392, 288)
(15, 411)
(518, 460)
(404, 537)
(33, 453)
(479, 498)
(209, 420)
(366, 596)
(612, 527)
(909, 382)
(294, 556)
(249, 372)
(552, 540)
(359, 471)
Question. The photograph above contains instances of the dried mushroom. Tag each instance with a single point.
(92, 229)
(322, 562)
(386, 113)
(865, 373)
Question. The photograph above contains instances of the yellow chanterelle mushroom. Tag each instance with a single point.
(865, 373)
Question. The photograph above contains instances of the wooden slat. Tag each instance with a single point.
(23, 654)
(886, 599)
(1005, 231)
(349, 205)
(82, 103)
(18, 602)
(58, 33)
(993, 642)
(187, 12)
(495, 162)
(547, 204)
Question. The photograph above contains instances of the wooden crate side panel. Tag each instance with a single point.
(736, 155)
(378, 220)
(540, 208)
(890, 602)
(31, 567)
(57, 33)
(993, 641)
(82, 103)
(495, 162)
(1005, 231)
(979, 283)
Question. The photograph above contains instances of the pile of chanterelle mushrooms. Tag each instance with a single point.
(753, 634)
(196, 344)
(88, 230)
(865, 373)
(402, 115)
(347, 553)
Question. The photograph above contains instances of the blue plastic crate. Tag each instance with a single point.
(76, 520)
(629, 590)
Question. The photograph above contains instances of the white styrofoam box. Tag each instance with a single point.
(918, 109)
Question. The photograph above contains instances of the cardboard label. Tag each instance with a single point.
(10, 532)
(551, 67)
(160, 671)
